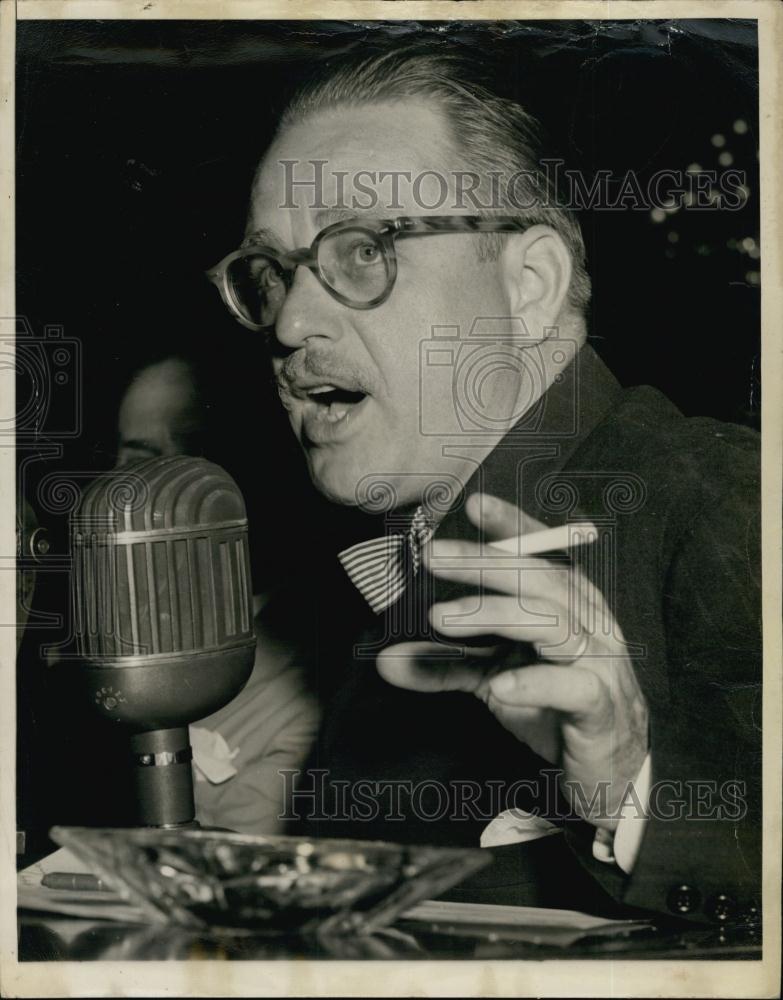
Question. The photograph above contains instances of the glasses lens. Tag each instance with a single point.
(258, 285)
(354, 264)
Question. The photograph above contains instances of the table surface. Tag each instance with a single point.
(53, 938)
(45, 936)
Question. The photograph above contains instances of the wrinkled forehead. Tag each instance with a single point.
(380, 159)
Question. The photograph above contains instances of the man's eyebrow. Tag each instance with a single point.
(322, 218)
(139, 444)
(328, 216)
(263, 235)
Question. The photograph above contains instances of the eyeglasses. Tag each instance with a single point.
(355, 261)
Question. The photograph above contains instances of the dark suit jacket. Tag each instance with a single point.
(678, 501)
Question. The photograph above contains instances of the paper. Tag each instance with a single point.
(61, 860)
(515, 826)
(212, 756)
(94, 905)
(534, 925)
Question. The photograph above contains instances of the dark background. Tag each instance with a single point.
(136, 143)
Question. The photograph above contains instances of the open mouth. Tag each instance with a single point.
(334, 404)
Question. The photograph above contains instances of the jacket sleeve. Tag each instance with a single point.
(700, 856)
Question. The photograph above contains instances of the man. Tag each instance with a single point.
(160, 413)
(429, 343)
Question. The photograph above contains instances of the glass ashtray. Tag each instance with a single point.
(233, 882)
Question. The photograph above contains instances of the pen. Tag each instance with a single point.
(72, 880)
(566, 536)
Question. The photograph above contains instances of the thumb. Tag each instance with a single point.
(575, 691)
(499, 519)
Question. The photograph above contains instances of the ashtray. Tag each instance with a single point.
(233, 882)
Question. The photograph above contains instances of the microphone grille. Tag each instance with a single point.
(161, 562)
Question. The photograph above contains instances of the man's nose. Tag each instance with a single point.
(307, 312)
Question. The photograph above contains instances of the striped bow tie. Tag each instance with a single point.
(382, 568)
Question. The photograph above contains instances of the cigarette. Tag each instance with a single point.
(566, 536)
(79, 882)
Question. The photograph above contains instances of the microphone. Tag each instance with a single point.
(162, 611)
(32, 544)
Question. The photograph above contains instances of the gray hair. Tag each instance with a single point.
(489, 134)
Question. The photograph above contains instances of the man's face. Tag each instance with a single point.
(372, 356)
(158, 413)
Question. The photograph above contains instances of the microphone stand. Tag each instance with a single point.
(163, 777)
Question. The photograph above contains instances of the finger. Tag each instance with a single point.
(578, 692)
(546, 623)
(529, 577)
(466, 562)
(498, 518)
(431, 667)
(555, 633)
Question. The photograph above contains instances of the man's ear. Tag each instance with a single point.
(536, 269)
